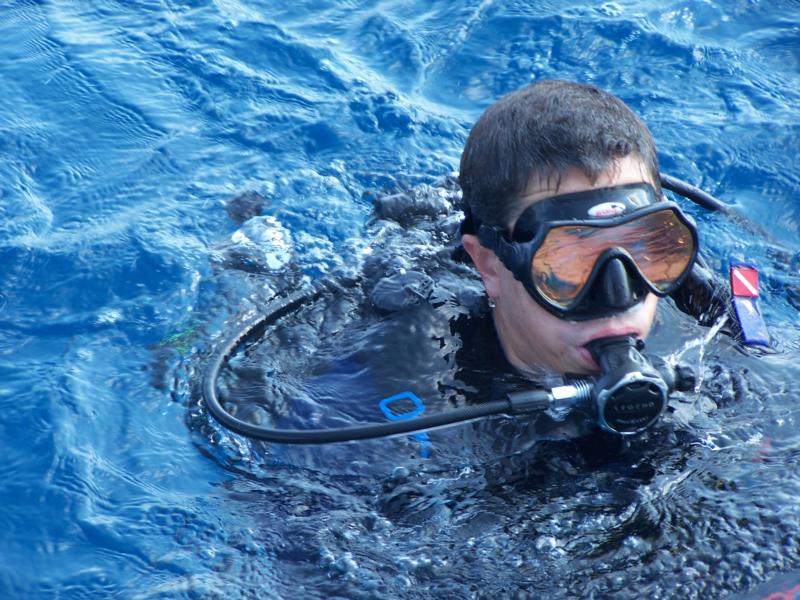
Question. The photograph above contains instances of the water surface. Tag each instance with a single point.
(125, 128)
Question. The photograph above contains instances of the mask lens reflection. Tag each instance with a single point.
(659, 243)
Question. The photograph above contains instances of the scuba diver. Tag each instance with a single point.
(567, 226)
(568, 229)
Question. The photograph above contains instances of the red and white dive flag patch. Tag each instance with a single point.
(744, 280)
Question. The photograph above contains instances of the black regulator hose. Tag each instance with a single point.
(693, 193)
(706, 200)
(537, 400)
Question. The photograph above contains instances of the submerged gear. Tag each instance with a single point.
(591, 254)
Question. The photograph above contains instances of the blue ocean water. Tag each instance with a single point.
(124, 130)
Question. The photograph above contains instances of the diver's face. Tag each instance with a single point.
(532, 337)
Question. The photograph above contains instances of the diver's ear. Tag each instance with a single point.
(486, 262)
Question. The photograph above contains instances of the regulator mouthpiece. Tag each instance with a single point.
(632, 391)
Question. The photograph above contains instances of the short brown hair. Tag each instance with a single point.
(541, 131)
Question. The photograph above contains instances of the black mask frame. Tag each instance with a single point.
(604, 207)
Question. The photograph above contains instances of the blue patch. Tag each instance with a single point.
(754, 329)
(405, 406)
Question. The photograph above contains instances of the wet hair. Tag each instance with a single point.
(540, 132)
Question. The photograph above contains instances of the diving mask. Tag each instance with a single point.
(592, 254)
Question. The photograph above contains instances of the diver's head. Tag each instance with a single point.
(559, 151)
(534, 331)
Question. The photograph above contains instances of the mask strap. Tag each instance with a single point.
(513, 256)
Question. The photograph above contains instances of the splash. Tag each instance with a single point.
(701, 344)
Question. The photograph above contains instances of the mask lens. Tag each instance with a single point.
(660, 244)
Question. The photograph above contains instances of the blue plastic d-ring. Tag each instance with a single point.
(419, 407)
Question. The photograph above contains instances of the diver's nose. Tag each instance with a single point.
(615, 288)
